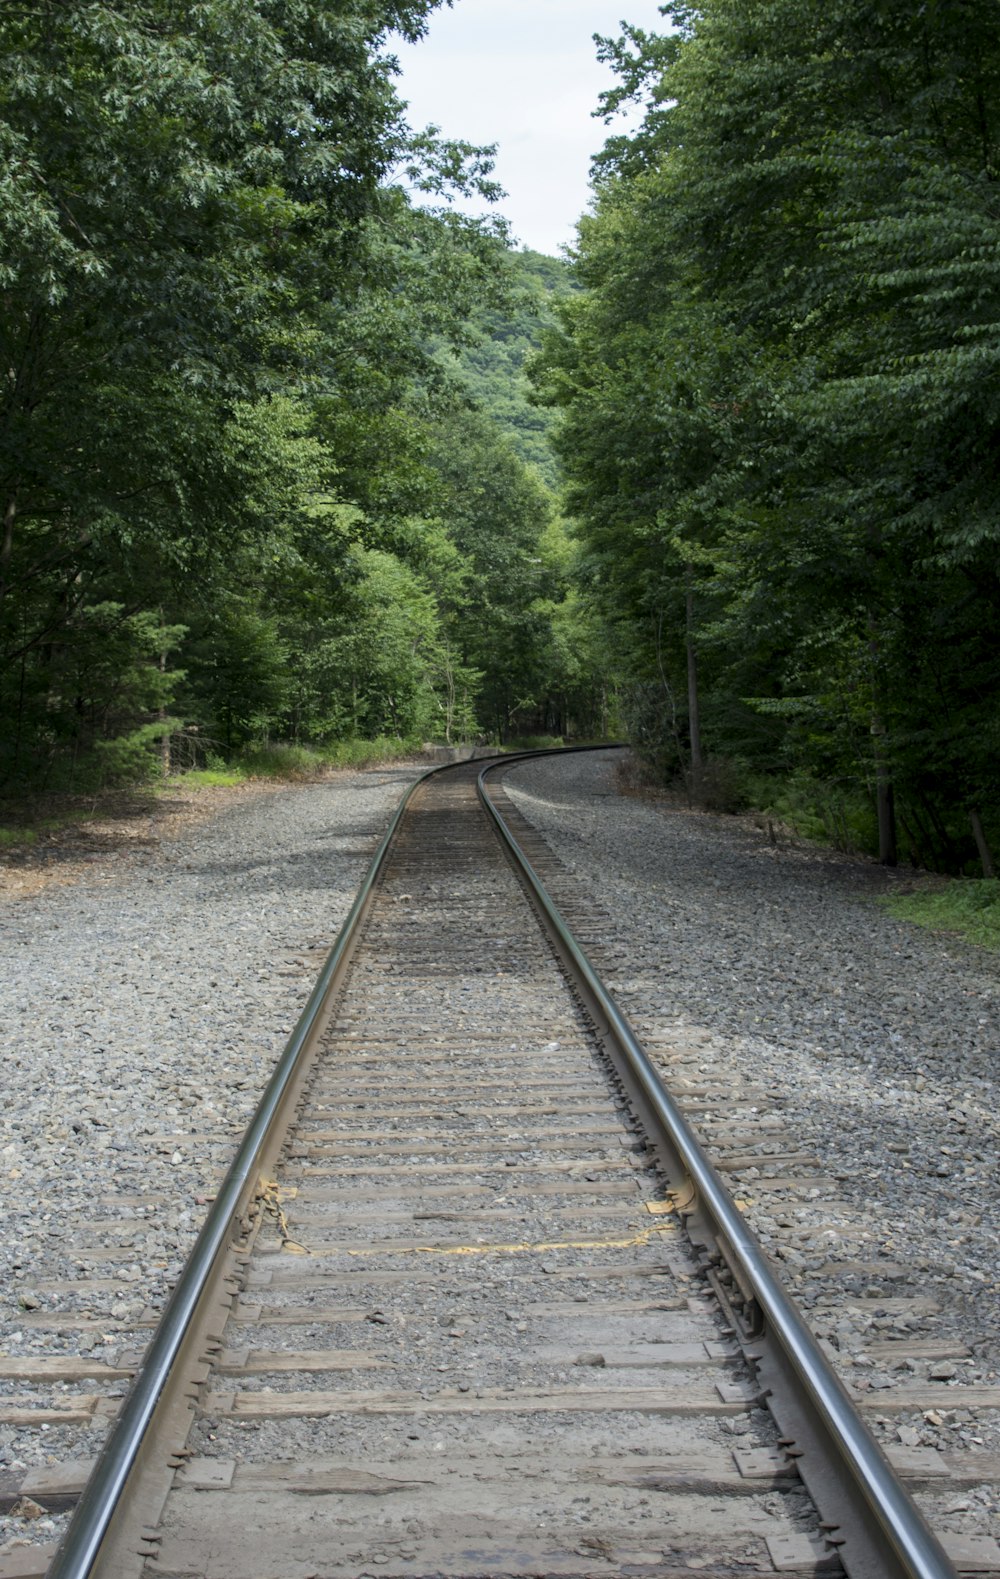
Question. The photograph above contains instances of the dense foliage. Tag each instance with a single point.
(780, 389)
(494, 369)
(242, 495)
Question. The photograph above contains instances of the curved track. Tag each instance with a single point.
(447, 1320)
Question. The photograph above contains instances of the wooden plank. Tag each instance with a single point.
(308, 1223)
(595, 1309)
(334, 1077)
(918, 1396)
(382, 1147)
(905, 1347)
(117, 1286)
(68, 1321)
(289, 1272)
(636, 1356)
(795, 1184)
(729, 1138)
(28, 1411)
(918, 1465)
(734, 1161)
(432, 1243)
(27, 1562)
(496, 1136)
(59, 1368)
(695, 1474)
(601, 1105)
(461, 1190)
(499, 1168)
(55, 1487)
(795, 1554)
(972, 1466)
(87, 1255)
(971, 1554)
(889, 1304)
(253, 1362)
(873, 1269)
(560, 1400)
(249, 1313)
(58, 1480)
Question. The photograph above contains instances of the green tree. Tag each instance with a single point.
(791, 331)
(202, 222)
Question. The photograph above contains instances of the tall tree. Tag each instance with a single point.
(201, 211)
(821, 189)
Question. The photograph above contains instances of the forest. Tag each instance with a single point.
(254, 494)
(779, 385)
(271, 479)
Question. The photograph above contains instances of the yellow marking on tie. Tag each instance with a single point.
(634, 1241)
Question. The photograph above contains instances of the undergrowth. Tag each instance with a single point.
(208, 778)
(967, 906)
(294, 762)
(534, 743)
(10, 838)
(815, 811)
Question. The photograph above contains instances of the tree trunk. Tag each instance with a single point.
(449, 695)
(979, 834)
(885, 799)
(7, 541)
(162, 714)
(669, 692)
(694, 714)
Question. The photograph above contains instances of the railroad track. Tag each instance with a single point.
(456, 1314)
(926, 1360)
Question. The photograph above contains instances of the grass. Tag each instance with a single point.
(306, 762)
(25, 834)
(10, 838)
(208, 778)
(369, 753)
(969, 907)
(292, 763)
(534, 743)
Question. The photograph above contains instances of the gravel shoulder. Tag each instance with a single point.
(878, 1042)
(145, 997)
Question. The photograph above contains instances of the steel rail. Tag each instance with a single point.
(895, 1541)
(89, 1528)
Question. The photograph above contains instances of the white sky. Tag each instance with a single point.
(524, 74)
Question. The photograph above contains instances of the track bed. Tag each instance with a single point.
(471, 1338)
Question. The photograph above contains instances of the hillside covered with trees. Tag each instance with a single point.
(247, 494)
(779, 391)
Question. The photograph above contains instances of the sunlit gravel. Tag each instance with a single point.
(879, 1041)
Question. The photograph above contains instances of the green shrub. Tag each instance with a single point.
(968, 906)
(133, 758)
(823, 813)
(534, 743)
(368, 753)
(280, 762)
(286, 761)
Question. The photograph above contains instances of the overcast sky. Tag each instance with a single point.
(522, 73)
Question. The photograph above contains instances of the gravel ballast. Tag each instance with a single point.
(143, 1009)
(879, 1040)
